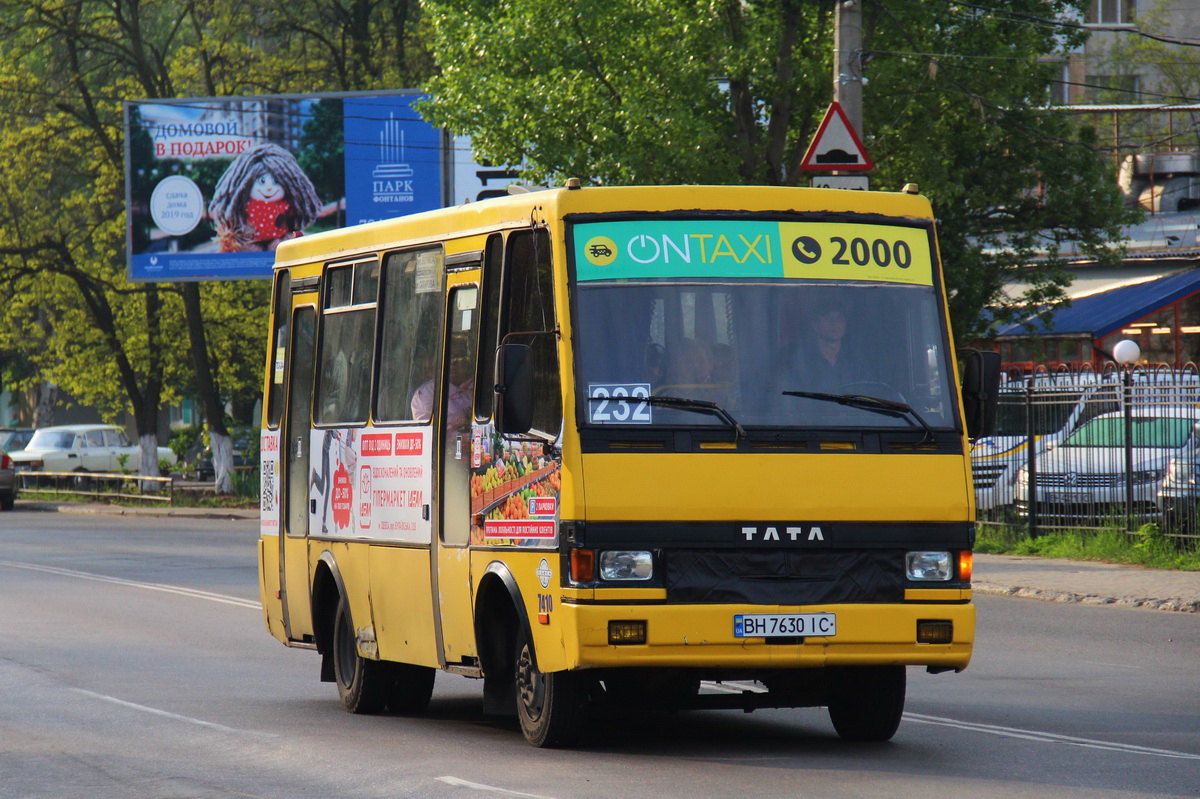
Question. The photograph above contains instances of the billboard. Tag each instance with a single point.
(214, 184)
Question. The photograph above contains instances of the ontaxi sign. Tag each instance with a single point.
(836, 146)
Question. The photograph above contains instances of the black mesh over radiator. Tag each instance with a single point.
(784, 577)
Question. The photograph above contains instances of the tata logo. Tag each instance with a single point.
(797, 533)
(544, 573)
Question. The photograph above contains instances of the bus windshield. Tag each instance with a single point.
(742, 343)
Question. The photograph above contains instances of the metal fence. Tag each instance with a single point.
(97, 484)
(1087, 450)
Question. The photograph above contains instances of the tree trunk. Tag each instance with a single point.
(206, 386)
(47, 399)
(222, 455)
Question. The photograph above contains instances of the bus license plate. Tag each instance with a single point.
(771, 625)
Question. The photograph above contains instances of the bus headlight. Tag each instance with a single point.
(929, 566)
(621, 564)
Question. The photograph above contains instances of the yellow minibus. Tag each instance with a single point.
(621, 448)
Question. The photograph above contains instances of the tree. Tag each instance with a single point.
(68, 66)
(61, 236)
(725, 91)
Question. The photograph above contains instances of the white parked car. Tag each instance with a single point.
(82, 448)
(1084, 476)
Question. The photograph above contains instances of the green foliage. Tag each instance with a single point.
(182, 440)
(246, 483)
(70, 317)
(722, 91)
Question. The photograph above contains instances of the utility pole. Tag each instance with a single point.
(837, 145)
(847, 61)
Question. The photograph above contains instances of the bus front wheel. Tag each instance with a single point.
(363, 685)
(550, 706)
(866, 703)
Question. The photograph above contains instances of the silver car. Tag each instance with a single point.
(1085, 476)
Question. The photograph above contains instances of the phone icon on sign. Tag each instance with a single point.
(806, 249)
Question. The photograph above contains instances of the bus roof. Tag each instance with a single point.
(515, 210)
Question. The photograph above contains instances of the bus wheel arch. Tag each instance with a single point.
(499, 614)
(327, 590)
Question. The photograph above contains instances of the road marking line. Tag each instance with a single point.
(1113, 665)
(169, 589)
(1049, 737)
(475, 786)
(738, 688)
(174, 716)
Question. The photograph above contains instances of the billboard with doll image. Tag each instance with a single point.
(214, 185)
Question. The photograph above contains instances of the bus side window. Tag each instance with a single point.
(283, 316)
(529, 305)
(347, 343)
(489, 328)
(410, 333)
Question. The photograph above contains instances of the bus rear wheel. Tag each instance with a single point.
(866, 703)
(363, 685)
(550, 706)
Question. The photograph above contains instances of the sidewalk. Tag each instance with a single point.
(1087, 582)
(1050, 579)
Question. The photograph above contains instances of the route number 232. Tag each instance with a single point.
(617, 403)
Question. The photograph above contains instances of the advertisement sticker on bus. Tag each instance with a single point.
(372, 483)
(268, 501)
(514, 490)
(751, 248)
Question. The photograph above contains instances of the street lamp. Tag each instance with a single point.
(1126, 353)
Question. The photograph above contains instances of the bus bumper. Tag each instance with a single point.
(702, 636)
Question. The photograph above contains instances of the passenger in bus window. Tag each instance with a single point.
(461, 388)
(691, 365)
(655, 364)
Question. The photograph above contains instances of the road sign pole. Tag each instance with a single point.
(847, 62)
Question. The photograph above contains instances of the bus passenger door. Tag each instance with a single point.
(452, 575)
(293, 555)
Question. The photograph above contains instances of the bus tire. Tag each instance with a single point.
(363, 685)
(550, 706)
(412, 688)
(866, 703)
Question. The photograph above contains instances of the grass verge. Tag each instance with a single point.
(1146, 546)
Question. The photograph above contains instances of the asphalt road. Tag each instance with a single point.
(134, 663)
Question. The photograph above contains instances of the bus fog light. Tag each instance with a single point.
(929, 566)
(935, 632)
(626, 632)
(626, 565)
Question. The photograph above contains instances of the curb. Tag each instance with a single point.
(1179, 605)
(227, 514)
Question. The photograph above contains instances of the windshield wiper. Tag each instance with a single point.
(900, 410)
(686, 404)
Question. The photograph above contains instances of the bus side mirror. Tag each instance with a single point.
(514, 389)
(980, 392)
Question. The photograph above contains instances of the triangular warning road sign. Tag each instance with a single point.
(836, 146)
